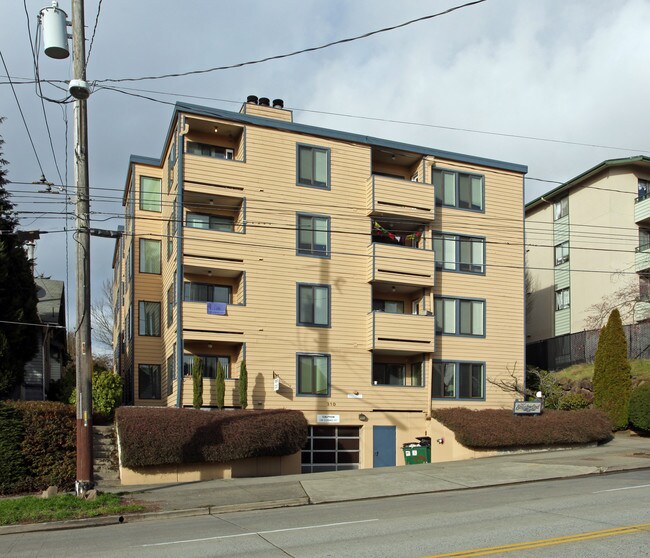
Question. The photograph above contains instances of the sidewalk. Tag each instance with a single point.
(625, 452)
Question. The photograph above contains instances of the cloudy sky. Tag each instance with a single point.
(565, 84)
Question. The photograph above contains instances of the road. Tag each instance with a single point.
(605, 515)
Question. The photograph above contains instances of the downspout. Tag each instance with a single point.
(179, 261)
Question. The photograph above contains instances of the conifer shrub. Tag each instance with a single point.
(573, 401)
(171, 436)
(220, 386)
(243, 385)
(612, 380)
(640, 408)
(197, 382)
(501, 429)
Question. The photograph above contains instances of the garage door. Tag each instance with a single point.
(331, 448)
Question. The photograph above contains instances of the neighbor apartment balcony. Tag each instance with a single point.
(401, 333)
(403, 198)
(401, 264)
(642, 209)
(642, 258)
(212, 322)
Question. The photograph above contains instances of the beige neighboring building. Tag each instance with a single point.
(363, 281)
(588, 246)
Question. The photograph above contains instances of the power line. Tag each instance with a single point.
(297, 52)
(92, 38)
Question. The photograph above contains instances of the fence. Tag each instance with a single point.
(577, 348)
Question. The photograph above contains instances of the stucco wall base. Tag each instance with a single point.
(189, 472)
(444, 446)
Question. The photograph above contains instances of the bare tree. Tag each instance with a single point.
(102, 318)
(624, 299)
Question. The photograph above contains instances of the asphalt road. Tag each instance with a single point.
(605, 515)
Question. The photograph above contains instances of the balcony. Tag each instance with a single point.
(642, 209)
(404, 198)
(401, 264)
(642, 258)
(218, 246)
(400, 333)
(200, 325)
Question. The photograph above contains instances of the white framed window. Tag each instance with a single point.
(562, 300)
(561, 208)
(562, 253)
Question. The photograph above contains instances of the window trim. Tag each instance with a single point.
(227, 371)
(312, 254)
(457, 363)
(141, 256)
(563, 207)
(458, 300)
(564, 259)
(141, 199)
(209, 216)
(328, 357)
(328, 152)
(329, 305)
(154, 398)
(568, 303)
(457, 173)
(410, 365)
(189, 284)
(439, 265)
(141, 305)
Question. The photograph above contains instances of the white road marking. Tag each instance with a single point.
(261, 532)
(624, 488)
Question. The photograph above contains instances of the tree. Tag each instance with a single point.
(624, 299)
(220, 385)
(612, 380)
(197, 382)
(18, 343)
(243, 385)
(101, 316)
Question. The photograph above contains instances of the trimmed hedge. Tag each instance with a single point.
(169, 436)
(500, 429)
(640, 408)
(40, 440)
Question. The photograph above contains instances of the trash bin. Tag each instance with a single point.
(415, 453)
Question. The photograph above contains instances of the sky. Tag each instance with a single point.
(558, 86)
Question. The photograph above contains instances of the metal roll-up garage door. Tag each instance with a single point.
(331, 448)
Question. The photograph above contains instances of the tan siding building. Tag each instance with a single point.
(326, 261)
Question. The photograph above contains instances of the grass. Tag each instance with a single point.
(640, 370)
(33, 509)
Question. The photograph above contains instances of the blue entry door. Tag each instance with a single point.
(383, 444)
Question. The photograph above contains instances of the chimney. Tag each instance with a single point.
(262, 106)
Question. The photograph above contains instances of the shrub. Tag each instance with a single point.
(500, 429)
(169, 436)
(197, 382)
(12, 464)
(48, 445)
(640, 408)
(220, 385)
(573, 401)
(107, 393)
(612, 381)
(243, 385)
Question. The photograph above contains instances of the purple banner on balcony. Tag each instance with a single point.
(218, 308)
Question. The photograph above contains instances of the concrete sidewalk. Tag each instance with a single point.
(625, 452)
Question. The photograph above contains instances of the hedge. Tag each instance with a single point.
(39, 439)
(169, 436)
(500, 429)
(640, 408)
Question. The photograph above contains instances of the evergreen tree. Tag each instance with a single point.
(612, 380)
(197, 382)
(243, 385)
(18, 343)
(220, 385)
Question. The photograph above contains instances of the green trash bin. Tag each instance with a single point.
(416, 453)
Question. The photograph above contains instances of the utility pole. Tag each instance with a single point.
(82, 337)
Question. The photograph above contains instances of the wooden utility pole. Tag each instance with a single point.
(83, 331)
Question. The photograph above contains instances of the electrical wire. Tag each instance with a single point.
(297, 52)
(92, 39)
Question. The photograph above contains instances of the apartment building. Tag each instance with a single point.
(363, 281)
(588, 250)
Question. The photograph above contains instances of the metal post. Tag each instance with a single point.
(82, 334)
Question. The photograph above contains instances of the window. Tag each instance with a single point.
(313, 235)
(171, 161)
(313, 374)
(174, 217)
(210, 364)
(149, 318)
(129, 323)
(455, 316)
(644, 188)
(389, 306)
(170, 240)
(207, 150)
(644, 240)
(458, 380)
(458, 189)
(562, 299)
(459, 253)
(170, 373)
(203, 292)
(150, 194)
(211, 222)
(313, 166)
(562, 253)
(170, 304)
(314, 305)
(560, 208)
(644, 287)
(129, 265)
(149, 256)
(149, 381)
(391, 374)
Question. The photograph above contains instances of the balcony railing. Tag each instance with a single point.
(199, 324)
(404, 333)
(394, 196)
(400, 264)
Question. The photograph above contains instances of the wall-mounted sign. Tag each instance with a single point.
(355, 396)
(528, 407)
(217, 308)
(276, 383)
(328, 418)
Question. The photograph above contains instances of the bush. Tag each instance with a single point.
(500, 429)
(220, 385)
(573, 401)
(47, 433)
(169, 436)
(12, 464)
(612, 380)
(640, 408)
(107, 393)
(197, 382)
(243, 385)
